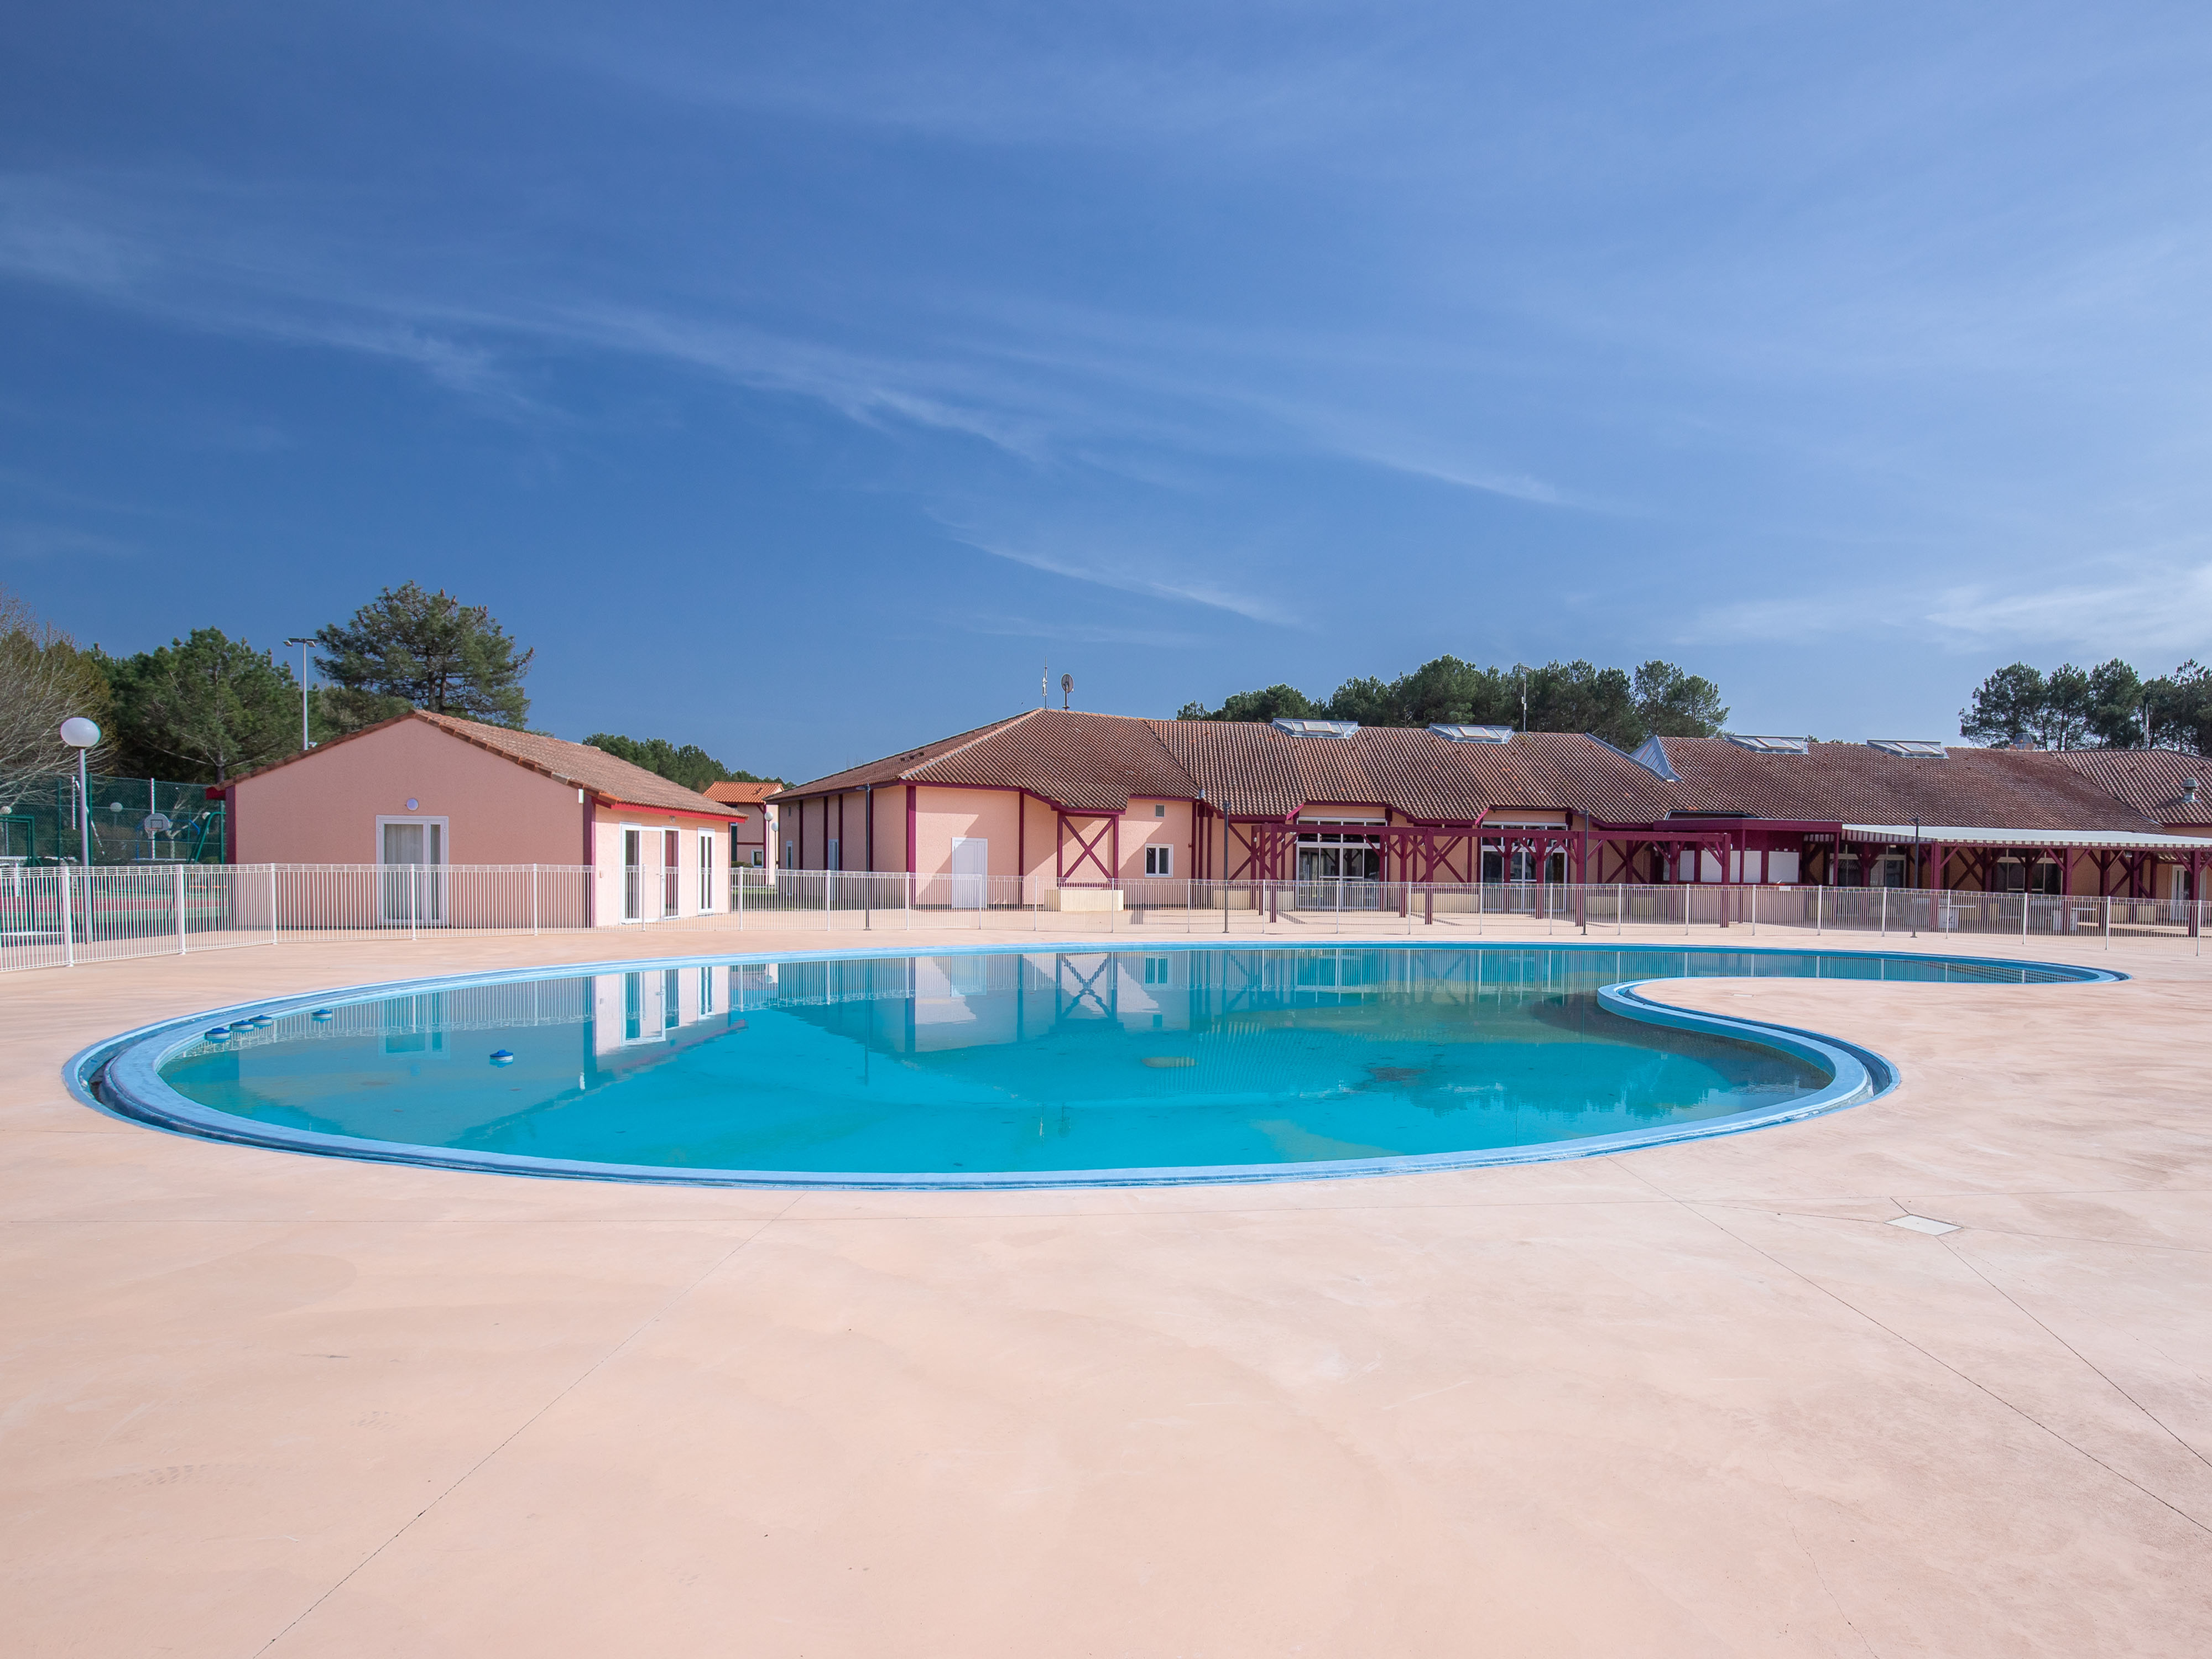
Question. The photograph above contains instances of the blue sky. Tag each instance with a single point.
(799, 380)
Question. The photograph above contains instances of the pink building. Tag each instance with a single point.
(1051, 805)
(753, 821)
(432, 790)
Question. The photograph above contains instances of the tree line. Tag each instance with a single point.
(2108, 707)
(1623, 708)
(208, 707)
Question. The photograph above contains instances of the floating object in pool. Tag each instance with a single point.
(1167, 1062)
(221, 1034)
(261, 1022)
(321, 1016)
(502, 1057)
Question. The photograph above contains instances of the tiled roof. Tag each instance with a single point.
(894, 769)
(733, 794)
(1096, 763)
(1849, 782)
(2152, 781)
(1084, 762)
(575, 763)
(1254, 770)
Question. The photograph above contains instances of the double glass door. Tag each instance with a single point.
(412, 885)
(1340, 870)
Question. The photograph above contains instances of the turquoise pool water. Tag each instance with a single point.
(1024, 1063)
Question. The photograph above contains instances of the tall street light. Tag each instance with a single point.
(80, 734)
(303, 644)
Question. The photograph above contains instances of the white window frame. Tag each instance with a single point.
(1159, 858)
(633, 875)
(445, 835)
(706, 889)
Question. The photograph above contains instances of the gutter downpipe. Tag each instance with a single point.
(868, 793)
(591, 864)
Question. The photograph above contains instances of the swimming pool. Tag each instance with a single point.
(986, 1068)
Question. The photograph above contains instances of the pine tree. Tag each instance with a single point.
(408, 648)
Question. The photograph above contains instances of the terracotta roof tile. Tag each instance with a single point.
(1852, 783)
(731, 792)
(2151, 780)
(576, 763)
(893, 769)
(1096, 763)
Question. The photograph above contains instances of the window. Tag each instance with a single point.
(1156, 970)
(633, 855)
(671, 871)
(790, 857)
(835, 850)
(1159, 860)
(1159, 809)
(706, 871)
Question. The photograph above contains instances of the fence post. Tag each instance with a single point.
(413, 888)
(534, 901)
(1817, 893)
(180, 909)
(2023, 916)
(272, 904)
(69, 905)
(2108, 921)
(1883, 930)
(1754, 913)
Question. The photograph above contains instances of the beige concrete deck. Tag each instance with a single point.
(1692, 1401)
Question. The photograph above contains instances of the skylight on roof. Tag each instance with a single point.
(1474, 733)
(1767, 745)
(1916, 748)
(1316, 728)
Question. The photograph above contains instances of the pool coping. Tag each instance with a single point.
(120, 1076)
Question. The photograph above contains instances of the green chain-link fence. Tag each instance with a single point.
(134, 821)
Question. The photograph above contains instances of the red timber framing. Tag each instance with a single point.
(1098, 848)
(1257, 849)
(1618, 848)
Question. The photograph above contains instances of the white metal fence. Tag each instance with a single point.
(55, 917)
(58, 916)
(835, 900)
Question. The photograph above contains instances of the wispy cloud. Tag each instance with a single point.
(2133, 603)
(2136, 605)
(1123, 572)
(1079, 633)
(35, 542)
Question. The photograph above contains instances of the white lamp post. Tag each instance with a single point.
(303, 644)
(80, 734)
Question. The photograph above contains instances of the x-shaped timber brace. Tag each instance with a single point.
(1100, 849)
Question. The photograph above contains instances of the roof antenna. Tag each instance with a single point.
(1044, 686)
(1066, 689)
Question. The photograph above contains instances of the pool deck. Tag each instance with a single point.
(1693, 1400)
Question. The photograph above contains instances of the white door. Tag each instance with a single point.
(971, 873)
(412, 892)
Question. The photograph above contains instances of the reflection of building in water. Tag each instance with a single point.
(663, 1005)
(937, 1004)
